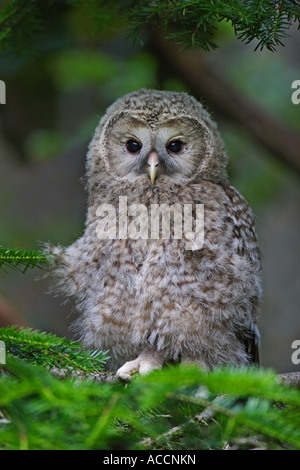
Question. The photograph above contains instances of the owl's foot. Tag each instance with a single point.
(143, 364)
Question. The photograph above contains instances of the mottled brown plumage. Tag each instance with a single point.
(151, 300)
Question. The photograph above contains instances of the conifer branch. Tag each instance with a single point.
(189, 22)
(47, 349)
(21, 259)
(180, 407)
(193, 23)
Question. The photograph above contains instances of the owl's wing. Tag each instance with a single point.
(245, 244)
(244, 234)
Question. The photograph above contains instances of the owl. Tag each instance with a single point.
(168, 267)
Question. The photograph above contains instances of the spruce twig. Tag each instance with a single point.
(47, 349)
(175, 408)
(21, 259)
(190, 22)
(193, 23)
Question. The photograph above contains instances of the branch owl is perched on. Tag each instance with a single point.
(149, 300)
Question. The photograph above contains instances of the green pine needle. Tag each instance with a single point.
(47, 349)
(176, 408)
(190, 22)
(193, 23)
(21, 259)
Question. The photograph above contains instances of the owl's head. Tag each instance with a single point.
(156, 136)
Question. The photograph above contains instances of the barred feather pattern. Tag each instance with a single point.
(149, 301)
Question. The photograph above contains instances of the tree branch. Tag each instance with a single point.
(290, 378)
(204, 82)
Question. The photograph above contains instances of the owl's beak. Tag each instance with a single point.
(153, 166)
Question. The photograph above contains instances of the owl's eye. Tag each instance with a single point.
(175, 146)
(133, 146)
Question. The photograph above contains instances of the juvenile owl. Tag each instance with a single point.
(168, 267)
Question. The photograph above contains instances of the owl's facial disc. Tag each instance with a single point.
(171, 149)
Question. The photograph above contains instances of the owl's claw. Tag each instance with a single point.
(125, 372)
(142, 364)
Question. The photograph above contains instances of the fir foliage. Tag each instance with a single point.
(177, 408)
(47, 349)
(190, 22)
(193, 23)
(21, 259)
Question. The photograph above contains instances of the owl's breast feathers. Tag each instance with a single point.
(155, 291)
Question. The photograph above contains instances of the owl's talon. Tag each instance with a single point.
(142, 365)
(125, 372)
(124, 376)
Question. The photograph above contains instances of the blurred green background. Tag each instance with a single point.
(55, 97)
